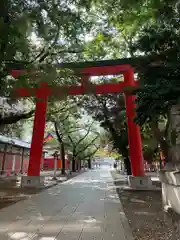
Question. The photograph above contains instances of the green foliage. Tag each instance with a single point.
(159, 81)
(108, 111)
(35, 36)
(13, 130)
(40, 32)
(77, 137)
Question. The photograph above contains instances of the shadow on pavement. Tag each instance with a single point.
(11, 193)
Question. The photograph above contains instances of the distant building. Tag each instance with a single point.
(14, 155)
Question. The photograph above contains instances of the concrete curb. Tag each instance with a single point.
(127, 188)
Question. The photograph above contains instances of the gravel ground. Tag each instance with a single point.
(144, 212)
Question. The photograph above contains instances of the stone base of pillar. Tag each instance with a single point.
(170, 179)
(142, 183)
(32, 181)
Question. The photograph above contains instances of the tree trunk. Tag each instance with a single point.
(89, 164)
(62, 150)
(160, 164)
(63, 172)
(127, 164)
(15, 118)
(73, 164)
(78, 164)
(161, 139)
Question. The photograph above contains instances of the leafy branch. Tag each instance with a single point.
(87, 145)
(5, 120)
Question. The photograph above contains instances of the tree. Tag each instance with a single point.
(105, 139)
(71, 139)
(151, 29)
(83, 143)
(48, 22)
(109, 110)
(36, 33)
(117, 29)
(157, 38)
(59, 121)
(154, 102)
(73, 135)
(13, 115)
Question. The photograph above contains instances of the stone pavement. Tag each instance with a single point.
(83, 208)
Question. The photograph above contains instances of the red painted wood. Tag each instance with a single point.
(25, 163)
(49, 163)
(16, 72)
(75, 90)
(38, 135)
(134, 135)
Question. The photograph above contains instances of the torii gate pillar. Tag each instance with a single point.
(138, 180)
(134, 135)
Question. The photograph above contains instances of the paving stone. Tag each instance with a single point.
(83, 208)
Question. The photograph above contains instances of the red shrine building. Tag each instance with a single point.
(14, 156)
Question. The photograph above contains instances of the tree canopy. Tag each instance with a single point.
(36, 35)
(43, 33)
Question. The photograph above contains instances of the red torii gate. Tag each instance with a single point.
(42, 93)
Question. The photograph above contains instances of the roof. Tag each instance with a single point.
(15, 142)
(154, 61)
(136, 62)
(74, 65)
(78, 65)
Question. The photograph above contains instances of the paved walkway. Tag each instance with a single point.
(83, 208)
